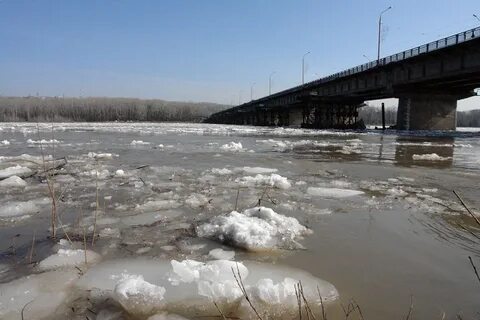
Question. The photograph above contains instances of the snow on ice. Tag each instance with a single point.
(258, 228)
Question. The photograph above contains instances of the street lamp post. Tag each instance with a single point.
(476, 17)
(270, 82)
(303, 67)
(379, 32)
(251, 91)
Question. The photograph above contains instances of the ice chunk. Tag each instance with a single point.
(119, 173)
(232, 146)
(138, 142)
(17, 208)
(166, 316)
(12, 182)
(333, 192)
(43, 141)
(138, 296)
(40, 294)
(155, 205)
(5, 142)
(221, 172)
(190, 287)
(196, 200)
(220, 254)
(430, 157)
(274, 180)
(254, 229)
(100, 156)
(257, 170)
(15, 171)
(68, 258)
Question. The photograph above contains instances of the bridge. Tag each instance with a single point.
(428, 80)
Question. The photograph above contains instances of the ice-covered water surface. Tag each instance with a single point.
(371, 213)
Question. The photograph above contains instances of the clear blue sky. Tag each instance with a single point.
(203, 50)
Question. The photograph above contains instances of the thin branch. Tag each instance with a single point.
(467, 208)
(244, 291)
(474, 268)
(410, 310)
(219, 311)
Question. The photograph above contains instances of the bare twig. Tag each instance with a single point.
(474, 268)
(96, 204)
(299, 301)
(219, 311)
(305, 302)
(30, 256)
(23, 309)
(238, 279)
(410, 310)
(324, 315)
(467, 208)
(236, 199)
(85, 244)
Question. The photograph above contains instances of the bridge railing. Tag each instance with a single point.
(429, 47)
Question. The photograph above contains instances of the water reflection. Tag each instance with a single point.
(423, 151)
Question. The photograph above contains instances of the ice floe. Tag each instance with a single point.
(197, 200)
(187, 288)
(430, 157)
(13, 182)
(220, 254)
(139, 143)
(221, 172)
(273, 180)
(43, 141)
(258, 170)
(333, 192)
(258, 228)
(15, 171)
(69, 258)
(232, 146)
(5, 143)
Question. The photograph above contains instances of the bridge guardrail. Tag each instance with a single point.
(429, 47)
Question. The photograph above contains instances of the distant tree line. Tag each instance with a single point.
(373, 116)
(58, 109)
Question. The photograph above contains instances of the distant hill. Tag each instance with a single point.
(93, 109)
(373, 116)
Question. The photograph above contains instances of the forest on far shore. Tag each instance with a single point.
(58, 109)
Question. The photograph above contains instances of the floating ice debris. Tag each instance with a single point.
(100, 174)
(5, 142)
(188, 287)
(18, 208)
(68, 258)
(13, 182)
(430, 157)
(232, 146)
(43, 141)
(321, 212)
(196, 200)
(100, 156)
(156, 205)
(15, 171)
(257, 170)
(274, 180)
(40, 295)
(221, 172)
(109, 233)
(119, 173)
(139, 142)
(138, 296)
(257, 228)
(220, 254)
(333, 192)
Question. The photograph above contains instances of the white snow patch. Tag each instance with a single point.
(257, 228)
(100, 156)
(5, 142)
(43, 141)
(120, 173)
(333, 192)
(221, 172)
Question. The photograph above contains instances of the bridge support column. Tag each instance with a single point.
(295, 117)
(427, 112)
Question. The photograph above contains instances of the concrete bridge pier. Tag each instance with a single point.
(435, 111)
